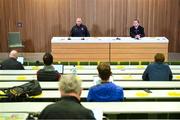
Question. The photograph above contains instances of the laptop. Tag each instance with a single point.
(59, 68)
(21, 60)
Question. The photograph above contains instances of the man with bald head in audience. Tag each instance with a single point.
(79, 30)
(11, 63)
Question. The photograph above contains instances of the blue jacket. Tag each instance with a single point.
(105, 92)
(157, 72)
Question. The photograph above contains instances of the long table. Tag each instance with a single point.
(79, 72)
(128, 94)
(81, 77)
(108, 48)
(86, 73)
(94, 67)
(106, 107)
(88, 84)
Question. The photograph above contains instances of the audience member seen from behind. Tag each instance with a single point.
(106, 91)
(11, 63)
(158, 71)
(48, 73)
(69, 107)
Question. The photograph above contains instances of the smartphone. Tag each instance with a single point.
(148, 91)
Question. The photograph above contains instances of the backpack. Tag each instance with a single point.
(31, 88)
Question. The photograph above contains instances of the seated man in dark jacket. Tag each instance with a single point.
(158, 71)
(11, 63)
(136, 31)
(106, 91)
(79, 30)
(48, 73)
(69, 107)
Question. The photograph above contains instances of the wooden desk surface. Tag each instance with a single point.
(88, 84)
(108, 48)
(128, 94)
(106, 107)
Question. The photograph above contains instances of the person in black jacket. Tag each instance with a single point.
(69, 107)
(11, 63)
(79, 30)
(137, 31)
(48, 73)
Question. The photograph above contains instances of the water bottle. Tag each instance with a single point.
(74, 70)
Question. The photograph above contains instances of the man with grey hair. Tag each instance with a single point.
(11, 63)
(69, 107)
